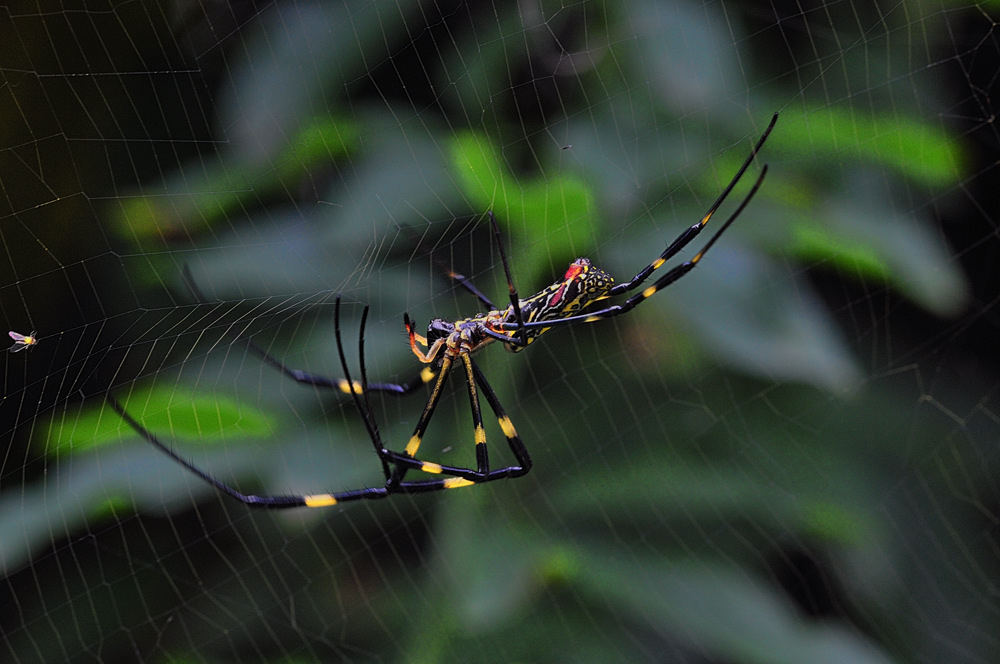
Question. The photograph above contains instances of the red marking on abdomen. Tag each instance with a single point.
(558, 295)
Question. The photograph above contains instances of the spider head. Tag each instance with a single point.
(438, 329)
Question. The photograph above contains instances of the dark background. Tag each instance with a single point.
(790, 456)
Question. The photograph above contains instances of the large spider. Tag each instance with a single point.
(448, 343)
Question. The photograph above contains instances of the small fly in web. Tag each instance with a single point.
(22, 341)
(579, 297)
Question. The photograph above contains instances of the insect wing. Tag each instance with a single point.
(21, 341)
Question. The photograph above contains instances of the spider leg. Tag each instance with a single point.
(457, 278)
(515, 302)
(467, 284)
(482, 456)
(395, 465)
(344, 385)
(150, 437)
(251, 500)
(407, 460)
(692, 232)
(670, 277)
(312, 379)
(513, 440)
(364, 409)
(427, 356)
(286, 501)
(461, 477)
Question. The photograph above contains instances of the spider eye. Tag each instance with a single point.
(438, 329)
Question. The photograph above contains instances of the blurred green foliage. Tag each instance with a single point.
(173, 408)
(730, 473)
(207, 195)
(559, 208)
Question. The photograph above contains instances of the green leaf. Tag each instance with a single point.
(917, 150)
(173, 410)
(324, 140)
(557, 213)
(813, 243)
(865, 237)
(477, 164)
(203, 194)
(832, 523)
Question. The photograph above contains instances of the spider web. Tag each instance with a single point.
(790, 455)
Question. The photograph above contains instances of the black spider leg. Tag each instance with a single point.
(461, 477)
(394, 479)
(287, 501)
(407, 459)
(517, 447)
(456, 277)
(690, 234)
(248, 499)
(305, 377)
(465, 283)
(515, 302)
(670, 277)
(458, 477)
(365, 409)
